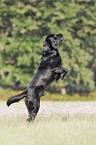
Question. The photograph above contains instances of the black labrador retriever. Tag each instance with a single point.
(49, 70)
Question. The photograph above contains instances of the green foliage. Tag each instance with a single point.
(25, 24)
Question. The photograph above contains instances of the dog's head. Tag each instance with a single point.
(52, 41)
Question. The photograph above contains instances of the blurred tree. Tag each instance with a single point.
(25, 24)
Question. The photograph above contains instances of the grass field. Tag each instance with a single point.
(57, 123)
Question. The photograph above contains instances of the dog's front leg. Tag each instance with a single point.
(60, 72)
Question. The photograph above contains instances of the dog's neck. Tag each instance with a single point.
(46, 47)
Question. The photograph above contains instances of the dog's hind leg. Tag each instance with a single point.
(33, 105)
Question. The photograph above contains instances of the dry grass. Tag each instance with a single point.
(58, 123)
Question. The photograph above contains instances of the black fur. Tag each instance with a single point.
(49, 70)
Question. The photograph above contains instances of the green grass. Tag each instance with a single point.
(57, 123)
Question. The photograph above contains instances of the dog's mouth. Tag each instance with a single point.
(60, 36)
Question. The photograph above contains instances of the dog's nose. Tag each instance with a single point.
(61, 35)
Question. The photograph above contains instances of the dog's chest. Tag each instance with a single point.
(56, 61)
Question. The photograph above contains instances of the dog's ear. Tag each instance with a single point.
(48, 42)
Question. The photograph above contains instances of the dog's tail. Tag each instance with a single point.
(16, 98)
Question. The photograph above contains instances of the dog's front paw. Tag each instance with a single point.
(64, 74)
(57, 77)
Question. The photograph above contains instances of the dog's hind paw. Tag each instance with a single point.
(30, 119)
(43, 93)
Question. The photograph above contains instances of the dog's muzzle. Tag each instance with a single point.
(60, 36)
